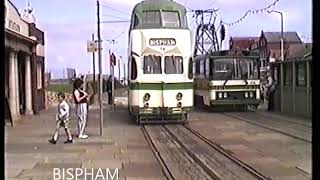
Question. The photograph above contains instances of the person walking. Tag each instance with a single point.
(81, 101)
(62, 119)
(109, 90)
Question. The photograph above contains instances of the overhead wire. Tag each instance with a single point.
(116, 17)
(114, 9)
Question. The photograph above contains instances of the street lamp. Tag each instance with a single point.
(281, 40)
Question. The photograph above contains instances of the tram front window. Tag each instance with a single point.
(170, 19)
(151, 19)
(234, 68)
(173, 65)
(246, 69)
(152, 64)
(222, 69)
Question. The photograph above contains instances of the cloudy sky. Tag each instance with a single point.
(69, 24)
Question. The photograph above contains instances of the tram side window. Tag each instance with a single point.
(310, 73)
(190, 69)
(136, 21)
(133, 69)
(202, 67)
(152, 64)
(173, 65)
(287, 74)
(170, 19)
(197, 67)
(301, 74)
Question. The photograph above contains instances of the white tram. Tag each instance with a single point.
(160, 68)
(227, 79)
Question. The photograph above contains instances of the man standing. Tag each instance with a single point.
(109, 89)
(268, 91)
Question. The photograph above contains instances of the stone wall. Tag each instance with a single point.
(53, 98)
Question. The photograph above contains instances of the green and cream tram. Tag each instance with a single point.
(227, 78)
(160, 63)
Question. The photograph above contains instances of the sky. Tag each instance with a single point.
(69, 24)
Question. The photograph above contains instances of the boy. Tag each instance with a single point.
(62, 118)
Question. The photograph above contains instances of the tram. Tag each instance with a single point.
(160, 63)
(229, 78)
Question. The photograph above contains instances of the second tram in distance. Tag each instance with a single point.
(227, 79)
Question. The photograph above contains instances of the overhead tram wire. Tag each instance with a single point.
(110, 22)
(116, 17)
(115, 9)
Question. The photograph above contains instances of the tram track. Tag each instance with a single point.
(291, 132)
(178, 147)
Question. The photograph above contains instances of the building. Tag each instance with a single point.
(245, 43)
(24, 62)
(71, 73)
(299, 50)
(270, 45)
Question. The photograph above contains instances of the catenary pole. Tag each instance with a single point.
(100, 68)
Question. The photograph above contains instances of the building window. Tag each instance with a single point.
(301, 74)
(39, 76)
(287, 74)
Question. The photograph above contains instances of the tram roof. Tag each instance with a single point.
(153, 5)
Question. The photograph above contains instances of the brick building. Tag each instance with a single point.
(244, 43)
(270, 45)
(24, 62)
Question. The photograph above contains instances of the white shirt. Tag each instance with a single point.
(63, 110)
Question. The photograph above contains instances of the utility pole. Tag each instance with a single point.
(124, 73)
(119, 61)
(281, 38)
(100, 68)
(94, 68)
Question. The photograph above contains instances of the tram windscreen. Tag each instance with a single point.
(234, 68)
(151, 18)
(170, 19)
(152, 64)
(173, 65)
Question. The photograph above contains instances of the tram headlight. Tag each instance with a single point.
(146, 97)
(220, 95)
(251, 94)
(179, 96)
(179, 104)
(225, 95)
(146, 105)
(246, 94)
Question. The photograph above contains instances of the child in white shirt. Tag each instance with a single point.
(62, 119)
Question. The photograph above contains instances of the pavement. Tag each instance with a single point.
(28, 154)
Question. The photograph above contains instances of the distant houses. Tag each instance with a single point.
(268, 44)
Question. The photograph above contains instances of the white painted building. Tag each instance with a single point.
(24, 63)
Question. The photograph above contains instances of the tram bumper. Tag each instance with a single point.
(164, 111)
(162, 114)
(235, 102)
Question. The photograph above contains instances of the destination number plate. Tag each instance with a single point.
(162, 42)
